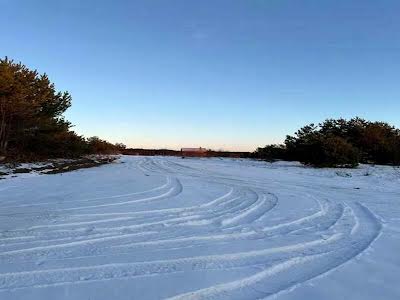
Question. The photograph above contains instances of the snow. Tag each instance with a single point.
(201, 228)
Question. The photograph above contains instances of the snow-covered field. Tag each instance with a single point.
(166, 227)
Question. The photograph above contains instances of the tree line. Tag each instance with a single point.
(339, 143)
(32, 125)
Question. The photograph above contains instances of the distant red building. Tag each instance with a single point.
(193, 152)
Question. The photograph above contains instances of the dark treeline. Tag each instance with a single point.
(150, 152)
(168, 152)
(32, 125)
(231, 154)
(339, 143)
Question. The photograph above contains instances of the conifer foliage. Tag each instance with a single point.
(31, 117)
(339, 143)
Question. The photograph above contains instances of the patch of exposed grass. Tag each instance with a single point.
(22, 170)
(78, 164)
(56, 167)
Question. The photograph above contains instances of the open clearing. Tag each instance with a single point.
(166, 227)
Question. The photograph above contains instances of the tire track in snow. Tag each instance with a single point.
(330, 253)
(110, 228)
(274, 279)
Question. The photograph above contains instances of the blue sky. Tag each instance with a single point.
(220, 74)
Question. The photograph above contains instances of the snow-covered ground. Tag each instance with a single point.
(166, 227)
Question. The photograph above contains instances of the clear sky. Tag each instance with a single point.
(219, 74)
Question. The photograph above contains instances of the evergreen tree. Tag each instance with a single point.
(31, 117)
(339, 142)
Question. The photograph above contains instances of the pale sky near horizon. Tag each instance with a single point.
(230, 75)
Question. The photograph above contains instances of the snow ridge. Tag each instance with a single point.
(258, 229)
